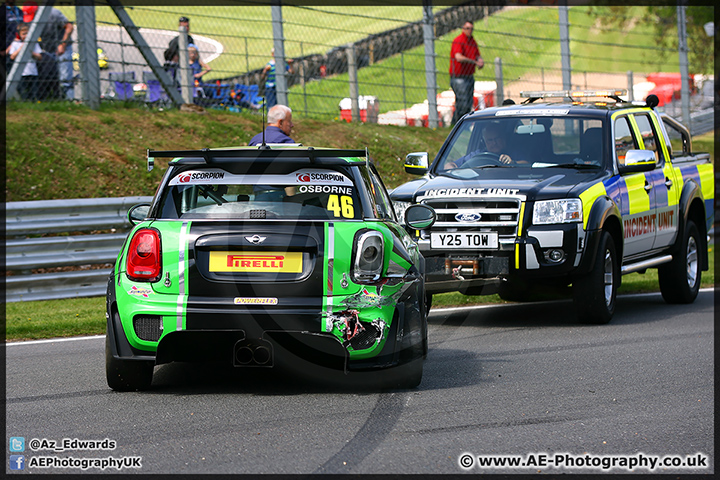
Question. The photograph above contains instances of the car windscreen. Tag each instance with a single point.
(529, 141)
(306, 193)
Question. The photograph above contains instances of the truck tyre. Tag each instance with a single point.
(594, 294)
(127, 375)
(680, 279)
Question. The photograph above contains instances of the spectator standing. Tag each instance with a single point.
(172, 53)
(198, 67)
(13, 17)
(56, 41)
(270, 87)
(279, 127)
(464, 59)
(28, 82)
(278, 131)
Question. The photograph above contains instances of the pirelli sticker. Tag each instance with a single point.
(256, 262)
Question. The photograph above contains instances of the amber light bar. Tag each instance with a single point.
(573, 93)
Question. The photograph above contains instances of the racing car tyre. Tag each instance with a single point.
(405, 376)
(595, 294)
(680, 279)
(127, 375)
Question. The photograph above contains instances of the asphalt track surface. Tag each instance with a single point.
(516, 379)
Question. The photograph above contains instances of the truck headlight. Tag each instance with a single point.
(557, 211)
(400, 208)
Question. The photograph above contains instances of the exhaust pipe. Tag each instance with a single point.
(261, 355)
(244, 355)
(253, 353)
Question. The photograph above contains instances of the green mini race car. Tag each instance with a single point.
(269, 257)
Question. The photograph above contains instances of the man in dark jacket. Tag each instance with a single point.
(172, 53)
(278, 131)
(279, 127)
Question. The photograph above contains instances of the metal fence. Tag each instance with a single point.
(376, 59)
(62, 248)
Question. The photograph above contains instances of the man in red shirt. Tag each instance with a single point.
(464, 58)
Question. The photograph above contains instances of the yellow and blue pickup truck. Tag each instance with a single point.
(569, 188)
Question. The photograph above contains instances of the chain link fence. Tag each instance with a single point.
(370, 62)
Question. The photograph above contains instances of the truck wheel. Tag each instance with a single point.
(680, 279)
(127, 375)
(594, 294)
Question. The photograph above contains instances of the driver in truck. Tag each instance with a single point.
(495, 143)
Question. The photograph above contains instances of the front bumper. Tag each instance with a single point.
(528, 256)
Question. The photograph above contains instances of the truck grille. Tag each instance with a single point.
(497, 215)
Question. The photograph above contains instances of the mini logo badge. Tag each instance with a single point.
(256, 239)
(467, 217)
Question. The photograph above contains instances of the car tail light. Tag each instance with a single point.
(143, 259)
(369, 257)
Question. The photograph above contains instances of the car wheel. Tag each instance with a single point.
(594, 294)
(127, 375)
(428, 303)
(680, 279)
(424, 333)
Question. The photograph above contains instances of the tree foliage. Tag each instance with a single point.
(663, 21)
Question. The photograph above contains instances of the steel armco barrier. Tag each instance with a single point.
(24, 253)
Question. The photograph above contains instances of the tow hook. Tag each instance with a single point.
(456, 273)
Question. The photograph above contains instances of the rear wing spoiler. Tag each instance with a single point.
(206, 156)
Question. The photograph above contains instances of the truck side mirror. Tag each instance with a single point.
(416, 163)
(638, 161)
